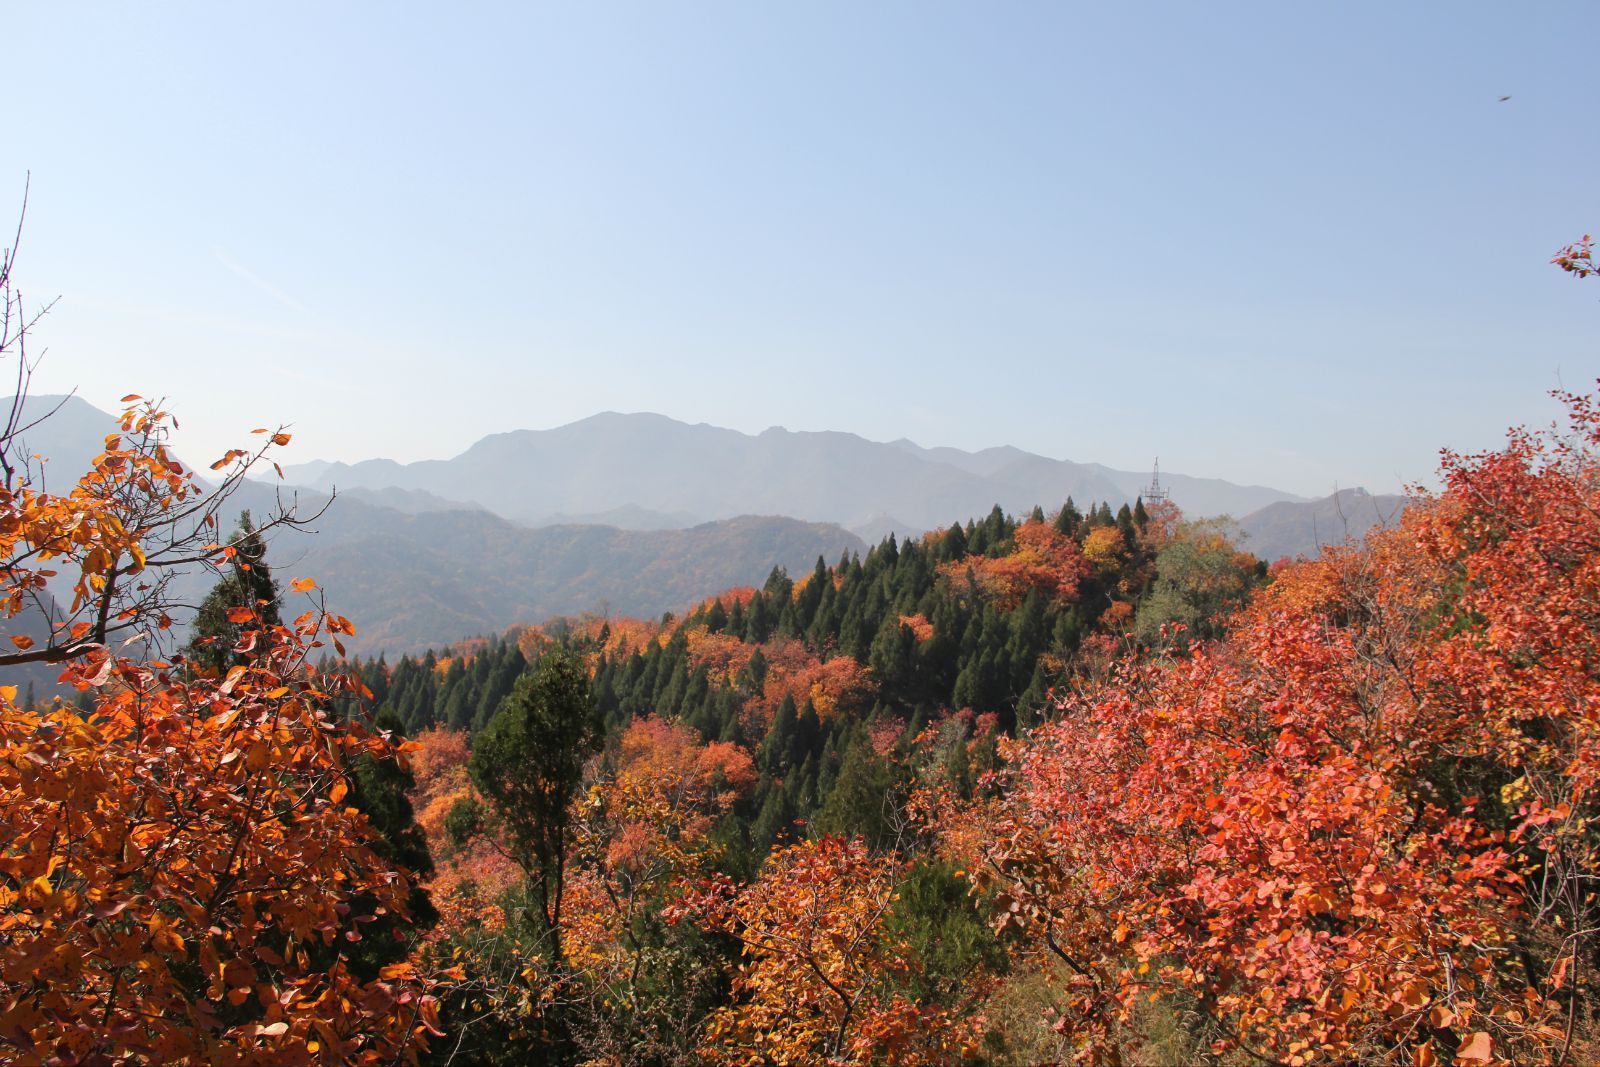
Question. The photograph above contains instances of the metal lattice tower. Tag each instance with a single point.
(1154, 493)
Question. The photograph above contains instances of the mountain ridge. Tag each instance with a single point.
(415, 570)
(648, 462)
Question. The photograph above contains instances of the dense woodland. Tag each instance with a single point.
(1079, 786)
(807, 676)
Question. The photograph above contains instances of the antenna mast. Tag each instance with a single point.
(1154, 493)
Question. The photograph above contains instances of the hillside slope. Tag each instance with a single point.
(1289, 528)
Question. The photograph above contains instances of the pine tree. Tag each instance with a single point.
(379, 789)
(1125, 523)
(246, 587)
(1068, 518)
(862, 799)
(529, 764)
(776, 757)
(776, 820)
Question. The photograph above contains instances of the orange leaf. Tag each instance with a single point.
(22, 641)
(1479, 1048)
(303, 585)
(280, 438)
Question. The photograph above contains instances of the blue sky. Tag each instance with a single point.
(1293, 245)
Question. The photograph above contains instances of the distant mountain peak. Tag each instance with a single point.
(631, 463)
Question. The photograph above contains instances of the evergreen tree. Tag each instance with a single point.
(1068, 518)
(782, 739)
(246, 586)
(775, 821)
(1125, 524)
(862, 799)
(529, 764)
(379, 789)
(758, 625)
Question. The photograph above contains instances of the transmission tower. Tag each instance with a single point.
(1154, 492)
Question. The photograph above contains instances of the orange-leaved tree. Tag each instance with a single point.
(179, 866)
(647, 824)
(1359, 827)
(822, 978)
(179, 869)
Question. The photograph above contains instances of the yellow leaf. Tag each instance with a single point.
(302, 585)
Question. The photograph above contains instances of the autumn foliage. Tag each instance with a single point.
(817, 982)
(181, 872)
(1357, 828)
(1043, 560)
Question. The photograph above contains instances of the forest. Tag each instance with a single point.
(1077, 786)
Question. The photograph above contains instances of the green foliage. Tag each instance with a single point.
(379, 789)
(247, 585)
(946, 930)
(864, 799)
(1200, 576)
(528, 763)
(463, 821)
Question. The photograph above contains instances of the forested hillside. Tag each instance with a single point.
(1085, 785)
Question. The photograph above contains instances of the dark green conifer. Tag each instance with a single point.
(246, 585)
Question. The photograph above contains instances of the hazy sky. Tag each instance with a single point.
(1283, 243)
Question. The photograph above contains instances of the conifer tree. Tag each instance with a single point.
(529, 764)
(379, 788)
(776, 819)
(1068, 518)
(247, 585)
(862, 798)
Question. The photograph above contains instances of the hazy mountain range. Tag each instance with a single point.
(412, 571)
(649, 471)
(1303, 529)
(639, 514)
